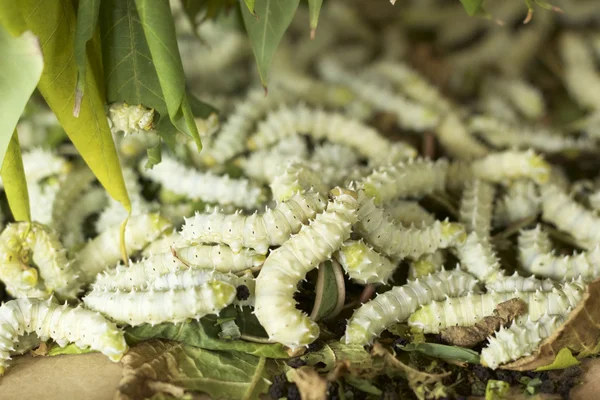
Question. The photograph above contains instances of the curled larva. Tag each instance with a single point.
(105, 249)
(73, 186)
(467, 310)
(319, 124)
(62, 323)
(520, 283)
(398, 242)
(256, 231)
(27, 243)
(581, 77)
(456, 139)
(335, 154)
(569, 216)
(156, 306)
(476, 206)
(520, 339)
(532, 243)
(218, 258)
(295, 178)
(204, 186)
(128, 119)
(363, 264)
(400, 302)
(520, 200)
(509, 165)
(287, 265)
(477, 256)
(524, 97)
(40, 164)
(413, 178)
(408, 212)
(91, 202)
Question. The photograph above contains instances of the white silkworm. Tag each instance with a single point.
(296, 178)
(335, 154)
(397, 304)
(456, 139)
(287, 265)
(363, 264)
(523, 96)
(74, 184)
(520, 283)
(256, 231)
(63, 324)
(509, 165)
(89, 203)
(581, 77)
(521, 200)
(477, 256)
(532, 243)
(476, 206)
(129, 119)
(426, 264)
(409, 213)
(520, 339)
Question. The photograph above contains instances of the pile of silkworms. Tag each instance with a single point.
(304, 176)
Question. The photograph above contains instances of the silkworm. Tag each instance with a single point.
(204, 186)
(532, 243)
(509, 165)
(74, 184)
(363, 264)
(524, 97)
(256, 231)
(467, 310)
(456, 139)
(335, 154)
(407, 213)
(41, 200)
(295, 178)
(580, 75)
(129, 119)
(426, 264)
(520, 339)
(520, 200)
(89, 203)
(397, 304)
(477, 256)
(476, 206)
(288, 264)
(520, 283)
(63, 324)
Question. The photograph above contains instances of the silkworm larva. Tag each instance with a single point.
(89, 203)
(397, 304)
(520, 339)
(63, 324)
(477, 256)
(204, 186)
(520, 283)
(130, 119)
(408, 212)
(295, 178)
(581, 78)
(476, 206)
(532, 243)
(526, 98)
(457, 141)
(467, 310)
(287, 265)
(335, 154)
(426, 264)
(71, 189)
(105, 249)
(413, 178)
(256, 231)
(363, 264)
(521, 200)
(509, 165)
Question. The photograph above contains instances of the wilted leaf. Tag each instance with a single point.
(15, 183)
(359, 360)
(174, 368)
(159, 29)
(310, 384)
(266, 31)
(87, 19)
(21, 64)
(72, 348)
(564, 359)
(53, 22)
(229, 330)
(444, 352)
(203, 334)
(580, 334)
(472, 6)
(314, 9)
(329, 291)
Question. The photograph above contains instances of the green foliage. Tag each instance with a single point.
(473, 7)
(87, 19)
(453, 353)
(266, 30)
(327, 292)
(314, 9)
(56, 350)
(15, 184)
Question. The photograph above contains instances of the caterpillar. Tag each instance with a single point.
(40, 164)
(335, 154)
(580, 76)
(25, 343)
(63, 324)
(204, 186)
(524, 97)
(219, 258)
(397, 304)
(399, 242)
(492, 103)
(520, 283)
(256, 231)
(105, 249)
(559, 209)
(89, 203)
(477, 256)
(363, 264)
(288, 264)
(509, 165)
(476, 206)
(456, 140)
(521, 200)
(128, 119)
(296, 177)
(319, 124)
(41, 200)
(407, 213)
(156, 306)
(532, 243)
(467, 310)
(520, 339)
(76, 183)
(426, 264)
(24, 243)
(413, 178)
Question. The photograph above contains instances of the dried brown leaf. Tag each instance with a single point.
(580, 333)
(311, 385)
(40, 351)
(470, 336)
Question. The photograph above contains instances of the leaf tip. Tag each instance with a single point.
(393, 2)
(528, 17)
(77, 105)
(313, 33)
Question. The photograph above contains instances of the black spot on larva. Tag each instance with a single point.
(242, 292)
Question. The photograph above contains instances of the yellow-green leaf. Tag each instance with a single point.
(159, 30)
(250, 5)
(87, 19)
(15, 184)
(21, 66)
(314, 9)
(266, 31)
(53, 21)
(564, 359)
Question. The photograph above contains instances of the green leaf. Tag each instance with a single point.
(334, 351)
(72, 348)
(564, 359)
(159, 30)
(472, 6)
(266, 32)
(203, 334)
(496, 390)
(154, 155)
(53, 22)
(327, 291)
(363, 385)
(444, 352)
(250, 5)
(21, 66)
(179, 368)
(87, 19)
(15, 183)
(314, 9)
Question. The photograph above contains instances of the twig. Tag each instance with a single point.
(367, 293)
